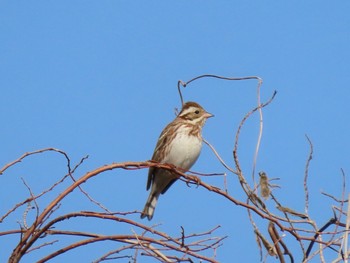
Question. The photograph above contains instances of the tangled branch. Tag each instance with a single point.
(271, 221)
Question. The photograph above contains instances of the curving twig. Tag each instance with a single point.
(2, 170)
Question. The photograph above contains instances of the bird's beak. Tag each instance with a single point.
(208, 115)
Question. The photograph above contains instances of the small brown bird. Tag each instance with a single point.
(180, 144)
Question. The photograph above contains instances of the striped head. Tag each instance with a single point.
(193, 113)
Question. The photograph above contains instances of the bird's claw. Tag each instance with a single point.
(194, 180)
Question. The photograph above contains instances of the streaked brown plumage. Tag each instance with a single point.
(179, 144)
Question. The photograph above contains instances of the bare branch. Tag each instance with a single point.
(143, 240)
(307, 175)
(36, 152)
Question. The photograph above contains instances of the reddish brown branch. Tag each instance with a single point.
(36, 152)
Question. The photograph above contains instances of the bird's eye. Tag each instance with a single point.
(196, 112)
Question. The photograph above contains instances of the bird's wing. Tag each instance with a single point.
(168, 186)
(162, 141)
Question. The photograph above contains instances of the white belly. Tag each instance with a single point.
(184, 151)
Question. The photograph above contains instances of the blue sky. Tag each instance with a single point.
(99, 78)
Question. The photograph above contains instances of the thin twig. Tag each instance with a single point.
(42, 245)
(35, 202)
(219, 157)
(330, 222)
(346, 234)
(260, 129)
(307, 175)
(36, 152)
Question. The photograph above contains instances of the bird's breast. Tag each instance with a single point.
(184, 150)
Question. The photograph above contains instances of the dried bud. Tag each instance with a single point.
(264, 186)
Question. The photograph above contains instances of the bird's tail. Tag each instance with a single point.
(148, 211)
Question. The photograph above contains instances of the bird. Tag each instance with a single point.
(179, 144)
